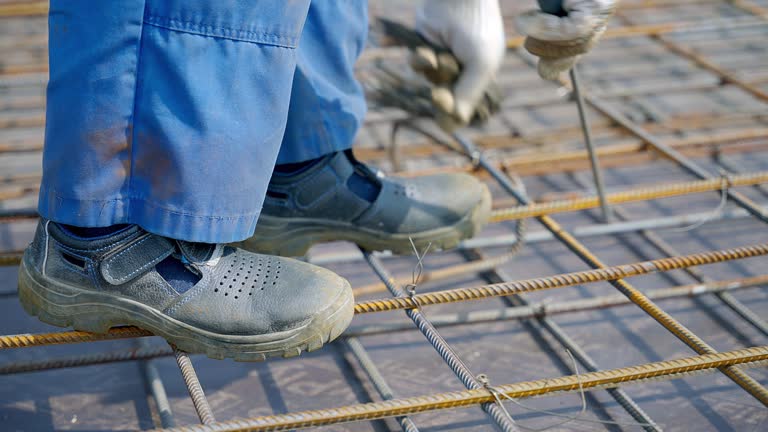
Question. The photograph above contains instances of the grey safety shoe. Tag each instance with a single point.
(243, 305)
(319, 204)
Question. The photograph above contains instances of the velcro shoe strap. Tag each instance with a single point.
(135, 258)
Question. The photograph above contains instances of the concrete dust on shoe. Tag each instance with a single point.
(317, 205)
(244, 306)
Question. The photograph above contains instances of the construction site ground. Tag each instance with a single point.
(693, 74)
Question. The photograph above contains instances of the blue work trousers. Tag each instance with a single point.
(171, 114)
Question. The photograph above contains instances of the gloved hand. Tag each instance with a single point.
(559, 41)
(473, 31)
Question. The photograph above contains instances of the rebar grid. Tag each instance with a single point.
(637, 297)
(545, 309)
(601, 273)
(701, 362)
(397, 407)
(666, 248)
(632, 195)
(532, 310)
(684, 334)
(574, 349)
(449, 356)
(415, 301)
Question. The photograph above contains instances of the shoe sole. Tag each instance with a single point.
(64, 305)
(294, 237)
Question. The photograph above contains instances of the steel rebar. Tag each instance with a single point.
(726, 298)
(68, 337)
(600, 273)
(439, 320)
(377, 379)
(603, 273)
(155, 385)
(618, 394)
(397, 407)
(632, 195)
(498, 414)
(597, 172)
(143, 353)
(555, 308)
(746, 382)
(202, 407)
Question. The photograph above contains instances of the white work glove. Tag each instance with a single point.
(559, 41)
(473, 31)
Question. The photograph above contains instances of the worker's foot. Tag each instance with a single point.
(211, 299)
(339, 198)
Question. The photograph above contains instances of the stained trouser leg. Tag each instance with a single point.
(168, 114)
(327, 103)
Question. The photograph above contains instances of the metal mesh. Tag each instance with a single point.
(676, 38)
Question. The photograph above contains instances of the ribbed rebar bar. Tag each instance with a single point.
(448, 296)
(746, 382)
(68, 337)
(397, 407)
(632, 195)
(154, 384)
(581, 355)
(666, 248)
(498, 414)
(199, 400)
(544, 309)
(597, 172)
(510, 313)
(600, 274)
(84, 360)
(10, 258)
(377, 379)
(667, 321)
(676, 156)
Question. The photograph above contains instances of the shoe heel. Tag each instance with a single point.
(38, 300)
(33, 303)
(29, 301)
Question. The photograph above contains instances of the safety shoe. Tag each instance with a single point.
(240, 305)
(324, 203)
